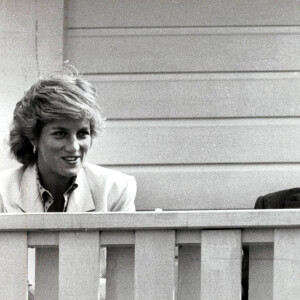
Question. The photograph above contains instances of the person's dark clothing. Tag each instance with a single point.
(285, 199)
(281, 199)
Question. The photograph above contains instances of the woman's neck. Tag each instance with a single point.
(56, 185)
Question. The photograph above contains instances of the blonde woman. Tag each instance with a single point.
(52, 132)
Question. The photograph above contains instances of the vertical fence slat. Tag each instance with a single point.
(79, 255)
(46, 274)
(120, 273)
(154, 264)
(261, 272)
(286, 264)
(221, 264)
(189, 273)
(13, 262)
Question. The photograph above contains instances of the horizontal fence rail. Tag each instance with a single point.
(153, 255)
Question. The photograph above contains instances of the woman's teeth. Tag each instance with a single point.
(70, 159)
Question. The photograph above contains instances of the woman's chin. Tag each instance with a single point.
(71, 171)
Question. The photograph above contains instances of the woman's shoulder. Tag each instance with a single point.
(101, 173)
(11, 176)
(118, 188)
(10, 183)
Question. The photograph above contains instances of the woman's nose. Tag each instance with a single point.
(73, 145)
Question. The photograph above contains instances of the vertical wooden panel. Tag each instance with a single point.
(46, 274)
(261, 272)
(286, 264)
(189, 269)
(13, 262)
(49, 35)
(154, 265)
(31, 44)
(120, 273)
(221, 264)
(79, 274)
(17, 63)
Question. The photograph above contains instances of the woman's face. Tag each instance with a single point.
(63, 146)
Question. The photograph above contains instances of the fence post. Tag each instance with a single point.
(221, 254)
(154, 264)
(79, 264)
(13, 262)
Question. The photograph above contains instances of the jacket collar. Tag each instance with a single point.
(81, 199)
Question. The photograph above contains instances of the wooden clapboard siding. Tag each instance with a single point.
(201, 96)
(209, 186)
(211, 95)
(184, 49)
(194, 141)
(93, 13)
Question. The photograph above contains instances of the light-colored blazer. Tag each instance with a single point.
(99, 189)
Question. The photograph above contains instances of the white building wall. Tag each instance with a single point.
(31, 44)
(201, 96)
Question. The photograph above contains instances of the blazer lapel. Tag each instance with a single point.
(81, 199)
(30, 198)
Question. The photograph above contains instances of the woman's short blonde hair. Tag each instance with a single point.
(59, 95)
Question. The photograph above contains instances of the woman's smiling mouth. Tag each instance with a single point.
(71, 159)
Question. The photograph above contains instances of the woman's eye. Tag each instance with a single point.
(83, 133)
(60, 133)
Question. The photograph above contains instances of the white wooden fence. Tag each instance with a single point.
(141, 254)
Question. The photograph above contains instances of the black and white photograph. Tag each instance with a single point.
(150, 149)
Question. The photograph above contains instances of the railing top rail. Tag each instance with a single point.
(203, 219)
